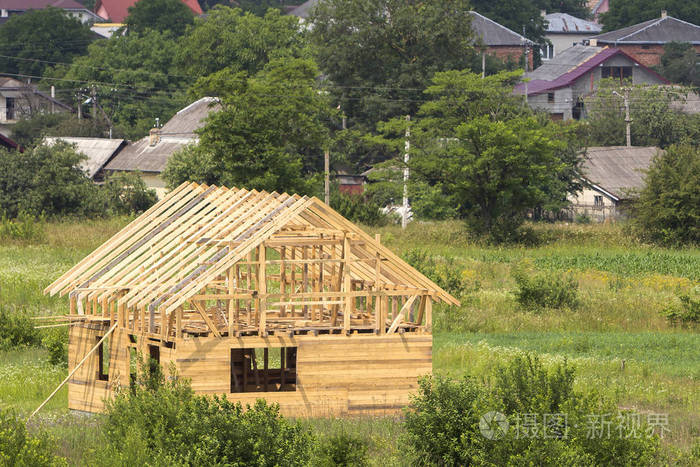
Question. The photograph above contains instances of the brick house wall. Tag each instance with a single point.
(515, 52)
(648, 55)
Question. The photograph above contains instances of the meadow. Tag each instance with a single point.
(618, 339)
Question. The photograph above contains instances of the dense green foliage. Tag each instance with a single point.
(269, 135)
(443, 271)
(380, 55)
(31, 40)
(685, 312)
(537, 290)
(668, 208)
(341, 450)
(48, 180)
(135, 79)
(358, 208)
(547, 421)
(624, 13)
(162, 420)
(160, 15)
(229, 39)
(18, 448)
(679, 64)
(23, 227)
(655, 121)
(31, 131)
(16, 328)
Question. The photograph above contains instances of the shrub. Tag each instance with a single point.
(527, 414)
(162, 420)
(545, 290)
(685, 312)
(443, 271)
(19, 448)
(56, 342)
(127, 193)
(342, 449)
(16, 329)
(356, 208)
(668, 208)
(23, 227)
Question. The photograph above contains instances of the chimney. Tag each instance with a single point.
(664, 14)
(593, 42)
(543, 13)
(154, 136)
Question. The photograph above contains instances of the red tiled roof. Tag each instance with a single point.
(118, 10)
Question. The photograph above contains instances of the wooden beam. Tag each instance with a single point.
(400, 315)
(206, 318)
(262, 288)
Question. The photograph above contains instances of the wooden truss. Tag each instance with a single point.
(213, 261)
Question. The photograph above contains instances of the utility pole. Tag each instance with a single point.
(327, 170)
(628, 121)
(93, 95)
(80, 106)
(404, 215)
(53, 99)
(483, 64)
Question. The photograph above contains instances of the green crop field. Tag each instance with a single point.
(618, 339)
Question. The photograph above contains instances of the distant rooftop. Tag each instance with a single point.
(655, 31)
(618, 169)
(563, 23)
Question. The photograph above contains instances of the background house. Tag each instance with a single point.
(612, 175)
(99, 151)
(71, 7)
(150, 155)
(564, 31)
(559, 85)
(117, 10)
(598, 7)
(20, 100)
(645, 41)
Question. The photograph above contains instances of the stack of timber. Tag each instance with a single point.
(251, 294)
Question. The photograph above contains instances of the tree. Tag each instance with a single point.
(31, 131)
(577, 8)
(477, 148)
(668, 208)
(655, 121)
(380, 54)
(679, 64)
(624, 13)
(160, 15)
(231, 39)
(34, 39)
(269, 135)
(134, 78)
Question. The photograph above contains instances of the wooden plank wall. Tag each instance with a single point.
(336, 375)
(85, 391)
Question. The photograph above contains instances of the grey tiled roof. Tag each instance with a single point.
(618, 169)
(563, 23)
(654, 31)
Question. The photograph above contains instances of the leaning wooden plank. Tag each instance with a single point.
(206, 318)
(400, 315)
(77, 367)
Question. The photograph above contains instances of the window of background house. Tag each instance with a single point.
(547, 52)
(550, 97)
(9, 108)
(598, 200)
(264, 370)
(103, 359)
(620, 73)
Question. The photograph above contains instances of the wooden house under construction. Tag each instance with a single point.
(252, 295)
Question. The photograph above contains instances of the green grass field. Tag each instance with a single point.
(618, 340)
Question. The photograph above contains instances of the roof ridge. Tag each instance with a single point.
(602, 49)
(654, 23)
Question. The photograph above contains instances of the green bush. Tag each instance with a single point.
(685, 312)
(527, 414)
(126, 193)
(668, 208)
(23, 227)
(356, 208)
(343, 450)
(162, 420)
(56, 342)
(443, 271)
(16, 329)
(545, 289)
(19, 448)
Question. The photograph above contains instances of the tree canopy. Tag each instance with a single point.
(624, 13)
(270, 134)
(379, 55)
(159, 15)
(679, 64)
(229, 38)
(34, 39)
